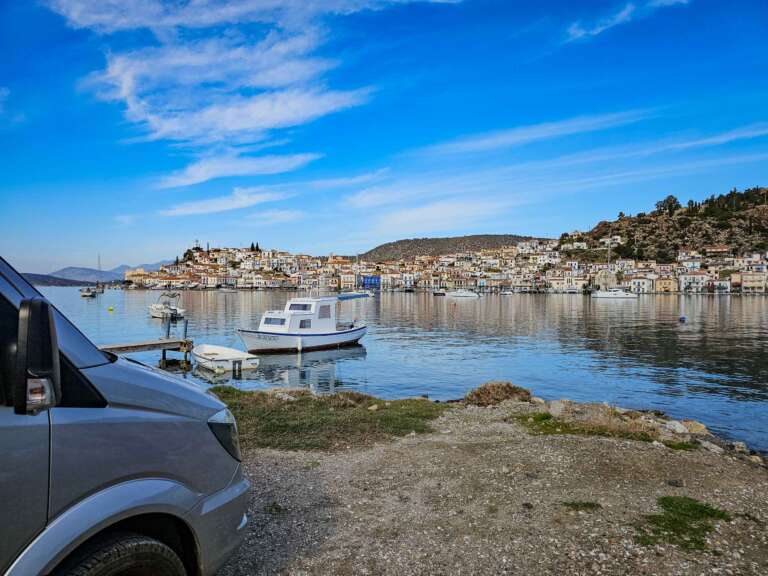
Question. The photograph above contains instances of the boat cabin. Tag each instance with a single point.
(302, 316)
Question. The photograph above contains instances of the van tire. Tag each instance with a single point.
(124, 554)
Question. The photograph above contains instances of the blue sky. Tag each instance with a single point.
(131, 129)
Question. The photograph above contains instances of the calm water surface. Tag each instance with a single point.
(632, 353)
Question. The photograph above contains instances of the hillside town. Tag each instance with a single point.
(572, 264)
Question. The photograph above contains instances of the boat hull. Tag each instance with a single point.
(257, 341)
(224, 364)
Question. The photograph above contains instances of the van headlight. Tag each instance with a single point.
(224, 427)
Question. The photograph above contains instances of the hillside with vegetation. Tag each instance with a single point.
(408, 249)
(738, 220)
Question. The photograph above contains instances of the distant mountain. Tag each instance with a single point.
(87, 274)
(46, 280)
(738, 220)
(408, 249)
(114, 275)
(148, 267)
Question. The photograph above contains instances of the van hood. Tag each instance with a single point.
(129, 383)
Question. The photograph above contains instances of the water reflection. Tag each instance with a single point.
(630, 352)
(320, 371)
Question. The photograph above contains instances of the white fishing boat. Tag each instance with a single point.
(167, 306)
(87, 292)
(304, 324)
(223, 359)
(227, 290)
(614, 293)
(507, 293)
(463, 294)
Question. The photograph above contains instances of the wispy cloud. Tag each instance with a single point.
(270, 217)
(206, 77)
(345, 182)
(4, 93)
(630, 11)
(443, 216)
(240, 198)
(233, 165)
(526, 134)
(126, 219)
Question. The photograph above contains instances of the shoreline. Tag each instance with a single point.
(492, 486)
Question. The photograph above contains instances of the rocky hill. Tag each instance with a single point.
(738, 220)
(407, 249)
(46, 280)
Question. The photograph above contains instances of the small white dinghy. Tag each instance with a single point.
(223, 359)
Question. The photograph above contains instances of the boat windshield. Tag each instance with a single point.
(301, 307)
(274, 321)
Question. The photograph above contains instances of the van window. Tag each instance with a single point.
(305, 324)
(325, 311)
(300, 307)
(274, 321)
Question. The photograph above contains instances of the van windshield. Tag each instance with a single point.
(73, 344)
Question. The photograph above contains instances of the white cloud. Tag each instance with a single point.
(630, 11)
(345, 182)
(126, 219)
(206, 77)
(240, 198)
(4, 93)
(535, 132)
(270, 217)
(443, 216)
(108, 16)
(232, 165)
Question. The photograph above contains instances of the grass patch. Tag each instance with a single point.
(684, 522)
(492, 393)
(274, 509)
(324, 423)
(545, 423)
(581, 505)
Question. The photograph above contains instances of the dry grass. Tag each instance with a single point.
(328, 423)
(492, 393)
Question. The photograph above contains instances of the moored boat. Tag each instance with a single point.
(87, 292)
(221, 358)
(614, 293)
(463, 294)
(167, 306)
(304, 324)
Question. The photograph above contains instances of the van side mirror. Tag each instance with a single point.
(37, 382)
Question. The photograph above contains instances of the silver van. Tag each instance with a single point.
(107, 467)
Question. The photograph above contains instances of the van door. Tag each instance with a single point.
(24, 448)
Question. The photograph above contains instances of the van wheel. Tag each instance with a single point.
(124, 554)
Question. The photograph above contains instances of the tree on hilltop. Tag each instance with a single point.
(669, 205)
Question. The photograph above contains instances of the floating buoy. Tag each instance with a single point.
(682, 319)
(110, 309)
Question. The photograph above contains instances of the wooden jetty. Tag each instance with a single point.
(183, 345)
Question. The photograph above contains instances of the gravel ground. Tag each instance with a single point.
(480, 495)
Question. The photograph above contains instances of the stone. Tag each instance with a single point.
(740, 447)
(695, 427)
(373, 407)
(676, 426)
(283, 396)
(676, 483)
(658, 444)
(537, 400)
(558, 407)
(756, 459)
(711, 447)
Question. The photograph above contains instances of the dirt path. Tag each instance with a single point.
(482, 496)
